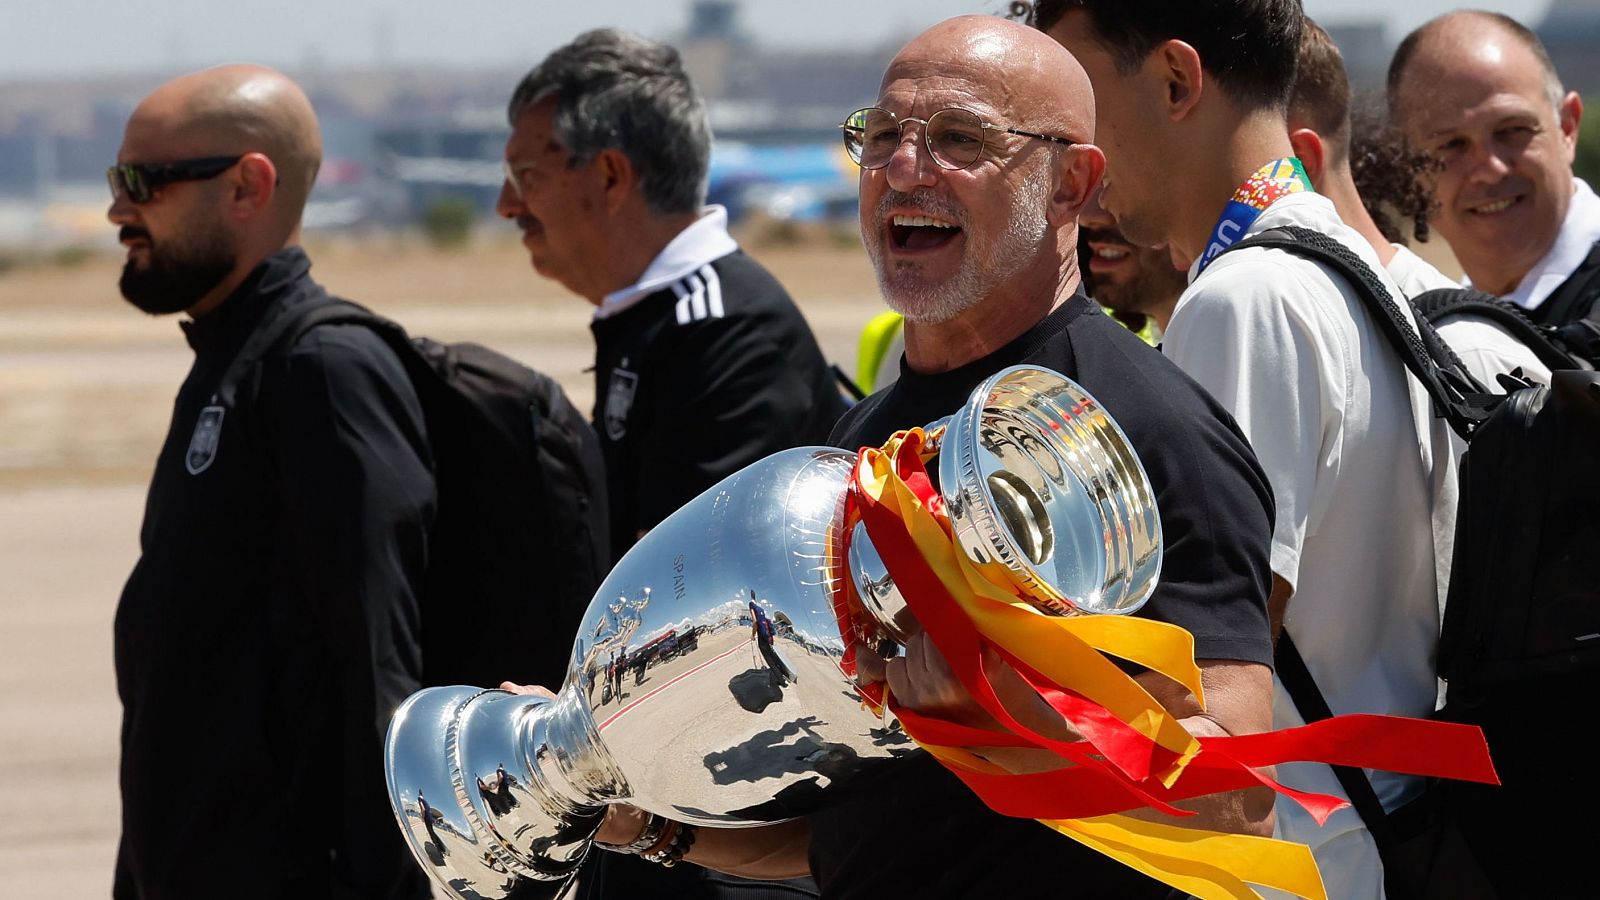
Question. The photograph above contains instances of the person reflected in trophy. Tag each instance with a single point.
(975, 164)
(640, 661)
(761, 631)
(429, 816)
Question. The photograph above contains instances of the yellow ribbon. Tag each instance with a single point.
(1070, 651)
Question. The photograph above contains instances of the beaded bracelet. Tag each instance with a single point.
(654, 827)
(677, 846)
(663, 845)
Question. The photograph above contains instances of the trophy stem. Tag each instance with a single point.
(531, 780)
(564, 755)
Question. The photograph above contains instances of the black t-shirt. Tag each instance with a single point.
(917, 831)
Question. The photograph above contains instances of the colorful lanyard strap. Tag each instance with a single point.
(1276, 179)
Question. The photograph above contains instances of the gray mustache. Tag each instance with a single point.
(926, 201)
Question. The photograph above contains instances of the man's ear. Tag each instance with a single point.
(1176, 67)
(254, 185)
(1078, 172)
(1570, 111)
(615, 177)
(1313, 153)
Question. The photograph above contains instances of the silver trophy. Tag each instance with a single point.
(706, 684)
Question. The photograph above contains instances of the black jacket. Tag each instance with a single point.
(270, 627)
(697, 381)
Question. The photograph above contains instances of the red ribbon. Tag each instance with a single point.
(1114, 766)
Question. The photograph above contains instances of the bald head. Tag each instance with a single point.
(1476, 92)
(1021, 72)
(973, 230)
(1467, 44)
(233, 110)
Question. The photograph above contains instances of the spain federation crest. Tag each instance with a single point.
(203, 443)
(619, 400)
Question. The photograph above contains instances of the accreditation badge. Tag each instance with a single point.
(203, 442)
(619, 400)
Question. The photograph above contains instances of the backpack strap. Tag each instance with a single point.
(1571, 313)
(1313, 707)
(1457, 396)
(286, 325)
(1439, 303)
(1575, 300)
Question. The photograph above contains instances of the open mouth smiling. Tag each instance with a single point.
(921, 232)
(1494, 206)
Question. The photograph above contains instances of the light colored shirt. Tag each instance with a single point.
(1579, 232)
(1361, 473)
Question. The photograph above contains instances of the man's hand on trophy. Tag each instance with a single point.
(623, 825)
(921, 680)
(531, 689)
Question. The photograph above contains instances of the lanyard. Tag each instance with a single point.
(1278, 178)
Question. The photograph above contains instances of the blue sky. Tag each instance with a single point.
(49, 38)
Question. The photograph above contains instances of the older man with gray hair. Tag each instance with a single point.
(975, 165)
(1478, 93)
(703, 364)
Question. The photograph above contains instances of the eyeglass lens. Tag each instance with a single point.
(954, 137)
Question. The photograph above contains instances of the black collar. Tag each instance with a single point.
(233, 319)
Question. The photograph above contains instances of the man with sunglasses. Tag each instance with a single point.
(270, 627)
(975, 168)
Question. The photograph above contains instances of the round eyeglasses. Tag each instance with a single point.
(955, 137)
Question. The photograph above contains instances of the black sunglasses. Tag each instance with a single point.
(138, 180)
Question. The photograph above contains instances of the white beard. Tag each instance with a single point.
(984, 265)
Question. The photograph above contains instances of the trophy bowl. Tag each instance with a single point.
(707, 681)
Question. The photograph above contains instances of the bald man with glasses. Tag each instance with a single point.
(974, 169)
(270, 627)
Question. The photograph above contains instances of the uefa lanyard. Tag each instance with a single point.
(1276, 179)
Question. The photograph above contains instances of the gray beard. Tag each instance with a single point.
(984, 266)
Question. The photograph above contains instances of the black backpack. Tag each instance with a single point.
(520, 537)
(1520, 641)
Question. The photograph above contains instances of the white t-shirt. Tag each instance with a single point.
(1358, 467)
(1485, 348)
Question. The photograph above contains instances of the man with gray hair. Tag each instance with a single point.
(703, 364)
(974, 169)
(1320, 131)
(1477, 92)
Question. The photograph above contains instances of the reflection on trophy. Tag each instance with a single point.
(741, 709)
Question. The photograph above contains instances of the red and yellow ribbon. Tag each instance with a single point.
(1134, 754)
